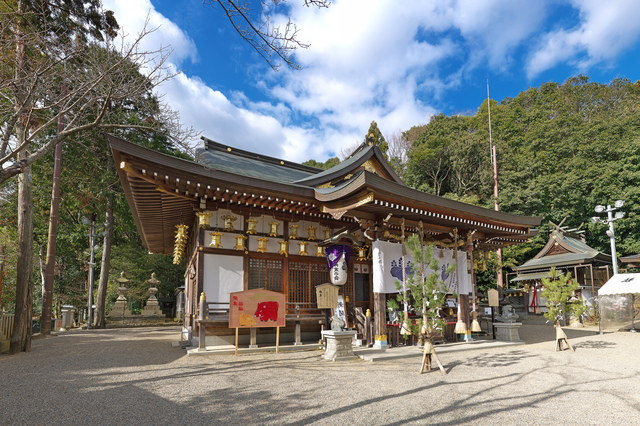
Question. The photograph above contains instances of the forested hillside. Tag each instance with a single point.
(562, 150)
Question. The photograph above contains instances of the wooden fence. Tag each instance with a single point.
(6, 329)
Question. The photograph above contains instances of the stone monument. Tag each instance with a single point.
(507, 329)
(152, 308)
(121, 309)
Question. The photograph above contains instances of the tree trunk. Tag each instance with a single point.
(47, 296)
(106, 254)
(21, 337)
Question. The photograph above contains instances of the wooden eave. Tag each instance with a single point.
(164, 191)
(439, 216)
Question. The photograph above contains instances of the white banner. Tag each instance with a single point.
(387, 268)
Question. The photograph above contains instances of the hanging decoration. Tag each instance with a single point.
(311, 233)
(293, 231)
(180, 243)
(203, 219)
(337, 258)
(240, 239)
(262, 245)
(273, 229)
(319, 250)
(362, 253)
(216, 239)
(302, 248)
(228, 222)
(327, 233)
(284, 248)
(251, 226)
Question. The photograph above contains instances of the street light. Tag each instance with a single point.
(610, 219)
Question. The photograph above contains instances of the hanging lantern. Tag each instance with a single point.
(311, 233)
(273, 229)
(240, 242)
(293, 231)
(284, 248)
(262, 245)
(216, 239)
(303, 248)
(319, 250)
(251, 226)
(228, 222)
(327, 233)
(337, 257)
(180, 243)
(203, 219)
(362, 253)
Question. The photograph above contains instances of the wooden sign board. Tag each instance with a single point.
(493, 297)
(327, 296)
(256, 308)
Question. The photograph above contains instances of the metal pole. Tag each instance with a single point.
(612, 238)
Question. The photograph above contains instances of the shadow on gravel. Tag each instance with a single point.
(497, 360)
(535, 333)
(594, 344)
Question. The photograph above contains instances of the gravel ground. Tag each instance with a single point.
(134, 376)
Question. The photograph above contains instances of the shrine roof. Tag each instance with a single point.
(232, 160)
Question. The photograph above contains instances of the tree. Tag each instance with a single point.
(46, 44)
(325, 166)
(273, 42)
(424, 288)
(374, 136)
(559, 290)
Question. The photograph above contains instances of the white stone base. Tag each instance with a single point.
(339, 345)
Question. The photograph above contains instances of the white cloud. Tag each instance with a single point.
(605, 30)
(386, 61)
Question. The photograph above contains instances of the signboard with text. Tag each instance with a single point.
(256, 308)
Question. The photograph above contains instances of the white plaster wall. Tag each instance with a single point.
(222, 275)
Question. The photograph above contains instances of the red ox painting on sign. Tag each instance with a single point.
(267, 311)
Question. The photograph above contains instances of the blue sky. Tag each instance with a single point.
(397, 63)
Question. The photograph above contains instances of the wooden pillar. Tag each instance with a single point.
(464, 311)
(253, 337)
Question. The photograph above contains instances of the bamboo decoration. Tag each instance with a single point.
(429, 353)
(475, 325)
(461, 326)
(561, 338)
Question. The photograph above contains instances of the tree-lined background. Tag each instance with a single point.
(562, 149)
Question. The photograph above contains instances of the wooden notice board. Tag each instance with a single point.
(493, 297)
(327, 296)
(256, 308)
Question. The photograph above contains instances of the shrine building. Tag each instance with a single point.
(244, 221)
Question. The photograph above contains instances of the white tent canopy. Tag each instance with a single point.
(621, 284)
